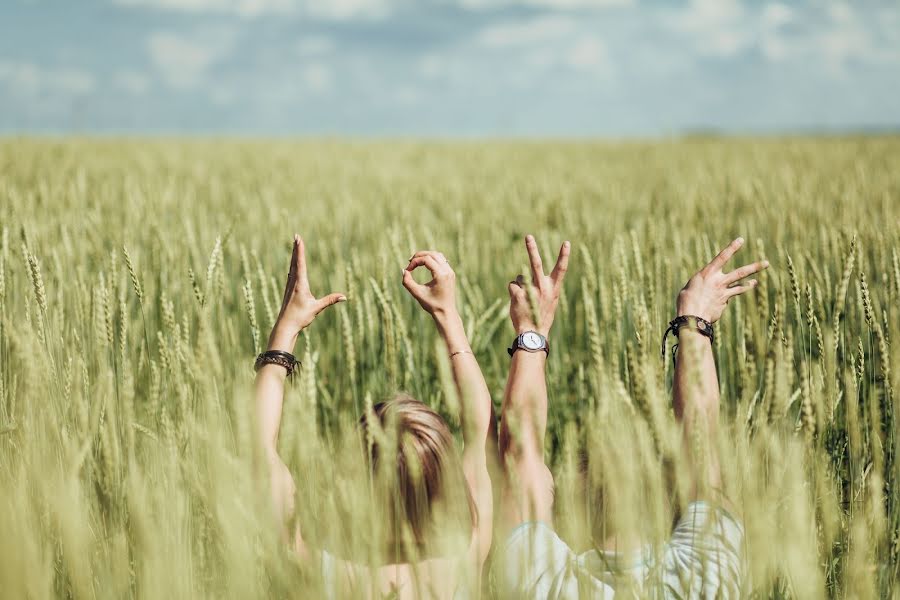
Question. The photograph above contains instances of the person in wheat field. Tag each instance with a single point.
(429, 492)
(702, 559)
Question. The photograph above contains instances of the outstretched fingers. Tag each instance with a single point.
(737, 290)
(292, 273)
(534, 256)
(329, 300)
(300, 260)
(724, 256)
(745, 271)
(562, 264)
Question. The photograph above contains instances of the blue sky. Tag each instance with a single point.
(447, 67)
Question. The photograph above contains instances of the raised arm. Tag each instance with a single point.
(696, 387)
(438, 298)
(527, 491)
(298, 309)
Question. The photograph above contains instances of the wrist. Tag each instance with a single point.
(283, 338)
(693, 325)
(450, 326)
(447, 320)
(523, 327)
(686, 310)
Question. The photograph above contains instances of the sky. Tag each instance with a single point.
(448, 68)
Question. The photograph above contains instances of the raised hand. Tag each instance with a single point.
(707, 293)
(299, 306)
(545, 288)
(438, 296)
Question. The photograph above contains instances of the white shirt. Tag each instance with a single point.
(702, 560)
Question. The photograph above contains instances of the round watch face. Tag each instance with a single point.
(532, 341)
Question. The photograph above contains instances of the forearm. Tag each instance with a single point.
(476, 409)
(696, 383)
(525, 405)
(270, 391)
(696, 404)
(270, 383)
(479, 456)
(527, 489)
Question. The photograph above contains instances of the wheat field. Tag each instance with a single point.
(138, 279)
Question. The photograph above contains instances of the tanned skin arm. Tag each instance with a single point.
(527, 489)
(438, 298)
(298, 309)
(696, 386)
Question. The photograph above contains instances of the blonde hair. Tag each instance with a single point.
(418, 480)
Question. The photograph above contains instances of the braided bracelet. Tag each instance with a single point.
(698, 324)
(277, 357)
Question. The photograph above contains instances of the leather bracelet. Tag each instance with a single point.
(698, 324)
(277, 357)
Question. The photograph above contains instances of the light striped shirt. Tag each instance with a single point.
(702, 560)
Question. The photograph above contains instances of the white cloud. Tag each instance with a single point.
(776, 15)
(589, 54)
(431, 66)
(524, 32)
(569, 4)
(716, 27)
(774, 45)
(478, 5)
(407, 95)
(183, 61)
(29, 79)
(347, 9)
(222, 96)
(317, 77)
(841, 12)
(846, 35)
(243, 8)
(315, 45)
(838, 46)
(774, 48)
(132, 82)
(325, 9)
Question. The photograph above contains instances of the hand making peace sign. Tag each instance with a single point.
(546, 291)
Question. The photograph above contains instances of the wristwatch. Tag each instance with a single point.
(530, 341)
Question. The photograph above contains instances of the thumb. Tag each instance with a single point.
(329, 300)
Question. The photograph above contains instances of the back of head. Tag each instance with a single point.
(417, 480)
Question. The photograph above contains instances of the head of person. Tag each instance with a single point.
(417, 481)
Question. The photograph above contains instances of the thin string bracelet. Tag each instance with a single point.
(452, 354)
